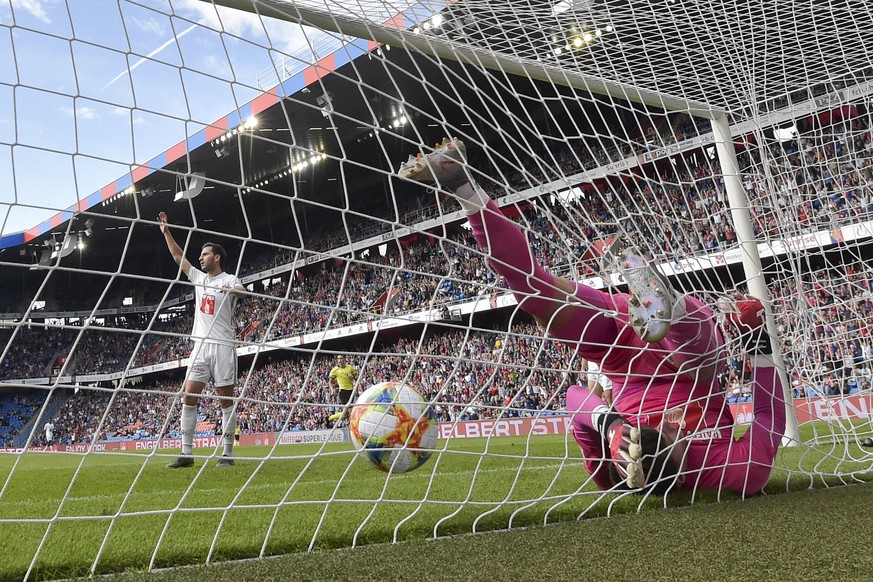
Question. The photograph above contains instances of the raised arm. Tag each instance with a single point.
(745, 465)
(174, 248)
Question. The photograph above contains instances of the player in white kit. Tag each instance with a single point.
(213, 355)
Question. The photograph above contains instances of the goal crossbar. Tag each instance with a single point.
(460, 52)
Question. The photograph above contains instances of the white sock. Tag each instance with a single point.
(602, 418)
(188, 424)
(471, 197)
(228, 426)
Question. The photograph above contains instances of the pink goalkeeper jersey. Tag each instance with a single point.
(672, 380)
(715, 462)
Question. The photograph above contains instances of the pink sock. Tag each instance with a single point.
(534, 288)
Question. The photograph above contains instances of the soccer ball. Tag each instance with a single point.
(393, 427)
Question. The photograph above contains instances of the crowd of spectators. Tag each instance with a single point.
(827, 329)
(15, 412)
(132, 412)
(31, 351)
(821, 178)
(825, 332)
(825, 323)
(484, 374)
(46, 350)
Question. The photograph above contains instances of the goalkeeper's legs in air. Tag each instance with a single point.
(609, 325)
(662, 349)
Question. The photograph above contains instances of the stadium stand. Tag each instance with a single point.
(15, 411)
(829, 172)
(276, 396)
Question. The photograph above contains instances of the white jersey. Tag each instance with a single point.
(213, 317)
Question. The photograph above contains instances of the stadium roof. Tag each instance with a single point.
(177, 153)
(652, 45)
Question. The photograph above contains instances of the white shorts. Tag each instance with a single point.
(212, 362)
(595, 374)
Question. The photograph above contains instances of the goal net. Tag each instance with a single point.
(733, 152)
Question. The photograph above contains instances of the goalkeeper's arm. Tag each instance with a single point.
(745, 465)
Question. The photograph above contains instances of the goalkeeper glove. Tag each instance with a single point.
(745, 314)
(626, 452)
(623, 441)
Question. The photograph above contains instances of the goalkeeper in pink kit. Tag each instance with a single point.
(669, 426)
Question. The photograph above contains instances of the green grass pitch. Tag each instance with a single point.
(143, 514)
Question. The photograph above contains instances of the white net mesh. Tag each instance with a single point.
(276, 130)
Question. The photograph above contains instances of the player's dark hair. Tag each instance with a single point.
(217, 249)
(660, 469)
